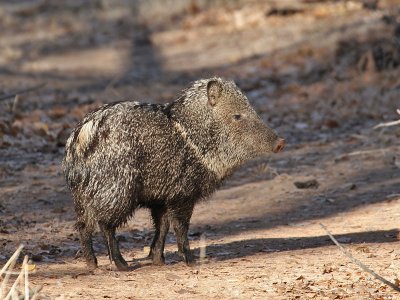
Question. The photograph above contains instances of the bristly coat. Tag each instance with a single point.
(165, 157)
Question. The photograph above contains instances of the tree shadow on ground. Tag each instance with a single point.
(244, 248)
(372, 186)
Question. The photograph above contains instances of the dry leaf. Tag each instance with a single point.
(31, 267)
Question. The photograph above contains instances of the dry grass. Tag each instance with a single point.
(18, 288)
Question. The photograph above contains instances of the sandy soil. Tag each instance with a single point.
(323, 77)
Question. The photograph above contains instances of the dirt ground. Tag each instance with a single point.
(322, 73)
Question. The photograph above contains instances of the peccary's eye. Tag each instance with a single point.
(237, 116)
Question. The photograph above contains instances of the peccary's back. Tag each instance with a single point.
(132, 155)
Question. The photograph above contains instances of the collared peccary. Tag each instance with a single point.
(165, 157)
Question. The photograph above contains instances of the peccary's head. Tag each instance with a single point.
(219, 123)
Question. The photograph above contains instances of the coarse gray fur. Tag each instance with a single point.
(165, 157)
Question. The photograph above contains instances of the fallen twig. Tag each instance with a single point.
(26, 281)
(12, 258)
(12, 292)
(362, 152)
(388, 124)
(23, 91)
(20, 289)
(358, 263)
(10, 265)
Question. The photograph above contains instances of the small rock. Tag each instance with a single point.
(350, 186)
(308, 184)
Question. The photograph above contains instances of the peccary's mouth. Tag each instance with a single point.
(279, 145)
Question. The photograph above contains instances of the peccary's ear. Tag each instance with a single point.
(213, 91)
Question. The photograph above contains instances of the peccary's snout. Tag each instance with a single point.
(279, 145)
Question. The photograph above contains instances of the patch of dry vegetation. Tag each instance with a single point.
(19, 287)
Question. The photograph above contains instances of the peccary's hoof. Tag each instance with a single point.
(190, 263)
(187, 257)
(158, 261)
(122, 265)
(189, 260)
(123, 268)
(127, 268)
(91, 264)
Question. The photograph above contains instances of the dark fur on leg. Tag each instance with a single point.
(87, 244)
(161, 223)
(180, 220)
(113, 248)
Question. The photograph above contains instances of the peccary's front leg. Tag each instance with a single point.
(161, 223)
(113, 247)
(87, 244)
(180, 220)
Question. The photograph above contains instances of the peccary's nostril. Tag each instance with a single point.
(279, 145)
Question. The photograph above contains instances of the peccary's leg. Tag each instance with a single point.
(113, 247)
(87, 244)
(180, 220)
(108, 247)
(161, 223)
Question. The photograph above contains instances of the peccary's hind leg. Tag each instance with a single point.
(85, 232)
(108, 247)
(180, 220)
(161, 223)
(113, 247)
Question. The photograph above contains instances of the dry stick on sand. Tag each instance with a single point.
(22, 279)
(26, 281)
(358, 263)
(12, 291)
(10, 265)
(30, 89)
(388, 124)
(12, 258)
